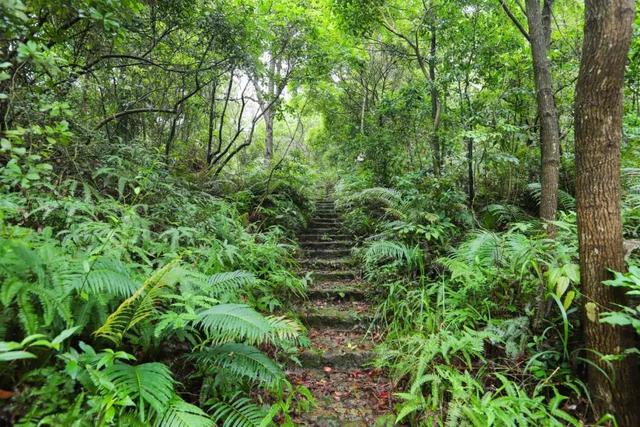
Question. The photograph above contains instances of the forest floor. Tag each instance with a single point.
(335, 368)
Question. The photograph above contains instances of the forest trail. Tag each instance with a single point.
(335, 366)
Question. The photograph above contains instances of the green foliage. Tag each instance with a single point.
(240, 361)
(239, 412)
(148, 384)
(626, 315)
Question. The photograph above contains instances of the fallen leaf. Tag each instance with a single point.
(5, 394)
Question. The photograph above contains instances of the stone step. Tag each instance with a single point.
(324, 222)
(326, 215)
(323, 230)
(324, 237)
(343, 315)
(337, 348)
(326, 212)
(333, 275)
(326, 264)
(350, 291)
(327, 244)
(327, 253)
(345, 398)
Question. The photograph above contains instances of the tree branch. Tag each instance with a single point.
(515, 20)
(132, 111)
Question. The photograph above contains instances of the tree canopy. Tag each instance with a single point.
(316, 212)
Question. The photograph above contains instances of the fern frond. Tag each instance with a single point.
(241, 361)
(149, 384)
(182, 414)
(386, 196)
(238, 412)
(283, 328)
(484, 248)
(139, 305)
(385, 249)
(565, 200)
(109, 275)
(234, 322)
(220, 283)
(505, 213)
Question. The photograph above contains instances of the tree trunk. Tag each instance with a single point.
(268, 140)
(598, 130)
(471, 187)
(212, 119)
(268, 114)
(539, 38)
(435, 106)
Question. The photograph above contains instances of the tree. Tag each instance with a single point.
(423, 21)
(539, 37)
(598, 130)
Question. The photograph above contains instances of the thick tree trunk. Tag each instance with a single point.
(598, 128)
(539, 38)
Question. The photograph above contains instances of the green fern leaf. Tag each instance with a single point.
(149, 383)
(182, 414)
(140, 305)
(243, 361)
(238, 412)
(234, 322)
(221, 283)
(110, 276)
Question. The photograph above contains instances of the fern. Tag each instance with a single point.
(241, 361)
(484, 248)
(239, 412)
(505, 214)
(283, 328)
(182, 414)
(151, 384)
(387, 196)
(565, 200)
(109, 275)
(140, 305)
(224, 282)
(234, 322)
(397, 251)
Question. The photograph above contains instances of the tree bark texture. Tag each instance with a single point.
(598, 131)
(539, 38)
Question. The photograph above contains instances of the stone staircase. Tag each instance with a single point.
(338, 316)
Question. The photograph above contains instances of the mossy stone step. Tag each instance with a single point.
(333, 276)
(331, 263)
(345, 398)
(327, 244)
(312, 358)
(337, 348)
(323, 230)
(337, 292)
(327, 253)
(323, 237)
(326, 213)
(314, 225)
(342, 315)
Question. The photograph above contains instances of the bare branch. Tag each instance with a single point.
(515, 21)
(132, 111)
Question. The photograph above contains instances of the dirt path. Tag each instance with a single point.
(335, 367)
